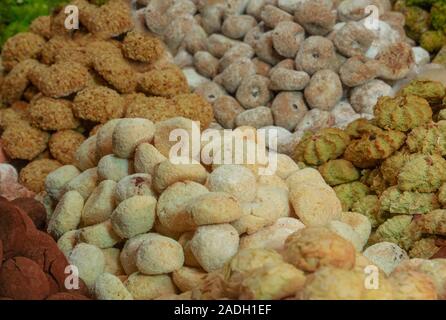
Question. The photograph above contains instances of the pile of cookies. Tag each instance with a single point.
(293, 65)
(59, 86)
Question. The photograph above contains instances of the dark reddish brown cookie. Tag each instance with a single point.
(23, 279)
(441, 254)
(34, 209)
(42, 249)
(53, 285)
(1, 253)
(15, 227)
(67, 296)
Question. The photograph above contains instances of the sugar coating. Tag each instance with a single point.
(86, 155)
(356, 71)
(158, 255)
(167, 173)
(233, 75)
(134, 216)
(206, 64)
(104, 142)
(56, 180)
(316, 53)
(387, 256)
(206, 245)
(147, 287)
(315, 120)
(257, 118)
(324, 90)
(262, 68)
(235, 53)
(270, 204)
(139, 184)
(314, 203)
(353, 39)
(90, 262)
(352, 10)
(189, 258)
(307, 176)
(112, 261)
(288, 109)
(285, 166)
(147, 157)
(68, 241)
(272, 16)
(128, 253)
(218, 45)
(226, 109)
(173, 202)
(84, 183)
(264, 47)
(67, 215)
(287, 38)
(364, 97)
(236, 180)
(214, 208)
(129, 133)
(236, 27)
(100, 235)
(194, 79)
(393, 68)
(98, 18)
(317, 18)
(100, 204)
(110, 287)
(283, 79)
(113, 168)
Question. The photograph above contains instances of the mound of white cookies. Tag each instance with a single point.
(139, 226)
